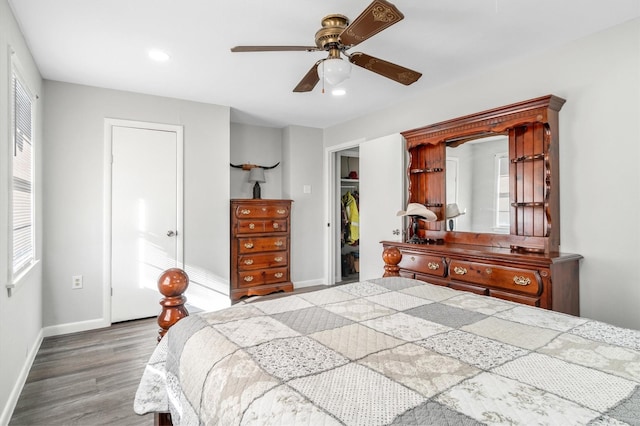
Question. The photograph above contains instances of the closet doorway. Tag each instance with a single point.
(348, 168)
(380, 184)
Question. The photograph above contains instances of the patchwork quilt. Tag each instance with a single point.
(393, 351)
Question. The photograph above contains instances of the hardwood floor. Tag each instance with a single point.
(88, 378)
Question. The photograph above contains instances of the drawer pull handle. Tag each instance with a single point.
(433, 266)
(278, 243)
(278, 274)
(248, 278)
(245, 211)
(248, 261)
(413, 259)
(521, 280)
(252, 226)
(281, 211)
(278, 259)
(248, 245)
(460, 271)
(276, 226)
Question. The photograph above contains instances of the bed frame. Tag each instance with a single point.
(172, 285)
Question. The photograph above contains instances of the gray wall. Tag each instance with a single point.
(302, 153)
(74, 192)
(256, 145)
(20, 314)
(298, 149)
(599, 76)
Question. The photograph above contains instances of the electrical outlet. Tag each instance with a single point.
(76, 282)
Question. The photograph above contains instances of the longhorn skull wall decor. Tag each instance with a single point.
(256, 174)
(251, 166)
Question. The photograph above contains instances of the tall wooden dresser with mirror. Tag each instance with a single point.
(260, 247)
(498, 207)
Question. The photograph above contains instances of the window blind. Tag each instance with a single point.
(22, 205)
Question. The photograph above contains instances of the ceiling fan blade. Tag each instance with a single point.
(274, 49)
(378, 16)
(309, 81)
(387, 69)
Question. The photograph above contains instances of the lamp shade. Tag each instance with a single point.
(256, 175)
(334, 70)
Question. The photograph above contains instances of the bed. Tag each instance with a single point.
(392, 351)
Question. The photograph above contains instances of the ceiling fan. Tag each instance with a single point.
(336, 36)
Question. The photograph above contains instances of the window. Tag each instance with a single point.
(502, 191)
(22, 208)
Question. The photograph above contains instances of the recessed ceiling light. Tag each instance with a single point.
(339, 91)
(158, 55)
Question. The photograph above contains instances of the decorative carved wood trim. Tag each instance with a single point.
(495, 120)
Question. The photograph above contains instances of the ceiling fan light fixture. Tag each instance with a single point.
(339, 91)
(334, 71)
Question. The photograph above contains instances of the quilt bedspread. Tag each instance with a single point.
(393, 351)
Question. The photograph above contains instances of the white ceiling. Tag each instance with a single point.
(104, 43)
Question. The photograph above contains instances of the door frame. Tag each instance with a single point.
(332, 188)
(109, 123)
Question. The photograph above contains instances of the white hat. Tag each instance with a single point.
(453, 211)
(417, 209)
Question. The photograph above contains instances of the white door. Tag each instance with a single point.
(382, 194)
(145, 219)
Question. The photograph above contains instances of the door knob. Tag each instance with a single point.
(172, 233)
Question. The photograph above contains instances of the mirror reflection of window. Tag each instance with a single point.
(502, 192)
(477, 185)
(452, 187)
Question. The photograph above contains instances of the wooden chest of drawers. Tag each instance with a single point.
(259, 247)
(549, 281)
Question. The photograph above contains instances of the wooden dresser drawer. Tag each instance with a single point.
(260, 247)
(512, 279)
(263, 276)
(513, 297)
(247, 211)
(249, 262)
(425, 264)
(258, 244)
(247, 226)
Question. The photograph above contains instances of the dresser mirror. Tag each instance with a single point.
(506, 244)
(477, 185)
(499, 167)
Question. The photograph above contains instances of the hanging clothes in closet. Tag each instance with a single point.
(350, 219)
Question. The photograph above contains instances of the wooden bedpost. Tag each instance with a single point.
(392, 257)
(172, 284)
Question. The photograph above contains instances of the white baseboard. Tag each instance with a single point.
(74, 327)
(7, 412)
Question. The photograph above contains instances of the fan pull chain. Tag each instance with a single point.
(323, 77)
